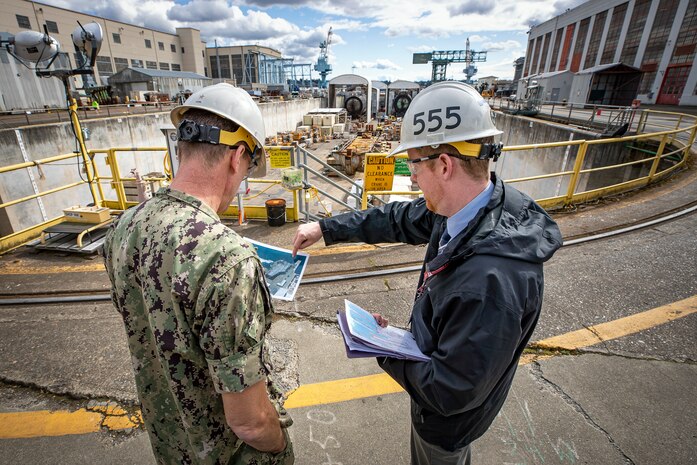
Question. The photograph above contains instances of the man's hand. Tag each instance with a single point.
(380, 320)
(306, 235)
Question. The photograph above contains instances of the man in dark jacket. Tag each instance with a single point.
(480, 290)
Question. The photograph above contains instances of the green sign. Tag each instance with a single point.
(422, 58)
(401, 168)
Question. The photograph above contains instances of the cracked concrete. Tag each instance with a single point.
(536, 371)
(638, 389)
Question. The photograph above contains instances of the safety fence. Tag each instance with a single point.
(13, 119)
(660, 146)
(664, 150)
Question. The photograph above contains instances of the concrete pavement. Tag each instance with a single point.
(629, 399)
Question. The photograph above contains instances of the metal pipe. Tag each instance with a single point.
(328, 180)
(41, 194)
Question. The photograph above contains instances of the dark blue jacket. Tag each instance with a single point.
(476, 306)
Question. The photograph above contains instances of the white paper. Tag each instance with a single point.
(363, 334)
(282, 272)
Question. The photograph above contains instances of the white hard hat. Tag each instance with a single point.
(229, 102)
(448, 112)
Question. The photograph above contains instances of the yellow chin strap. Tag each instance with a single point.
(234, 138)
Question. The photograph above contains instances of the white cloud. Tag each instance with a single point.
(478, 38)
(505, 45)
(421, 48)
(380, 63)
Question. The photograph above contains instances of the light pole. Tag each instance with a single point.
(42, 50)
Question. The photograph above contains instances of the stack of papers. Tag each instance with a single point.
(363, 337)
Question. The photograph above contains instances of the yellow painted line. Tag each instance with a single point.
(622, 327)
(22, 267)
(45, 423)
(18, 267)
(341, 390)
(113, 417)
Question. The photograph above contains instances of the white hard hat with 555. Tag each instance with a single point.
(231, 103)
(451, 113)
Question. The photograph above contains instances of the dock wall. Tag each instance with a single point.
(42, 141)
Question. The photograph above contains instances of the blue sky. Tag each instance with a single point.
(373, 39)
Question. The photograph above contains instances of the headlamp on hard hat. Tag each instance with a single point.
(191, 131)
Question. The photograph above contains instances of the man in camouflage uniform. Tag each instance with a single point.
(193, 297)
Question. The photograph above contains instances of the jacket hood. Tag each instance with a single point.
(512, 225)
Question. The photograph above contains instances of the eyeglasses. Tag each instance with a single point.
(253, 159)
(413, 162)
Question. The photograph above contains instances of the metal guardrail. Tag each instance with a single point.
(665, 138)
(681, 133)
(18, 118)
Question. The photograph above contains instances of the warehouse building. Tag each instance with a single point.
(620, 50)
(127, 46)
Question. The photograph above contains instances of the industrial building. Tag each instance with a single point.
(136, 83)
(618, 51)
(177, 55)
(252, 67)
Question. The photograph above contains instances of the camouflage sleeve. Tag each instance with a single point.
(233, 327)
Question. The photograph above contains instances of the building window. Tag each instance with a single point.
(52, 27)
(151, 64)
(104, 67)
(182, 50)
(148, 44)
(662, 24)
(566, 47)
(635, 31)
(224, 67)
(116, 37)
(120, 63)
(136, 63)
(580, 44)
(555, 50)
(161, 45)
(23, 22)
(173, 48)
(613, 34)
(545, 50)
(536, 54)
(176, 67)
(594, 43)
(164, 66)
(686, 44)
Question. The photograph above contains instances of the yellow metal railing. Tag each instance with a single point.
(96, 182)
(121, 202)
(668, 135)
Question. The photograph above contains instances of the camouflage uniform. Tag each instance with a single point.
(196, 308)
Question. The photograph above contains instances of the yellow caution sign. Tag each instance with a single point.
(280, 158)
(379, 172)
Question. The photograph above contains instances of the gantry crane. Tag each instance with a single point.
(441, 59)
(323, 66)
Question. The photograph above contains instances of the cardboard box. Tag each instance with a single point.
(80, 214)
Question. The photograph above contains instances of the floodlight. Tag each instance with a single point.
(88, 39)
(34, 46)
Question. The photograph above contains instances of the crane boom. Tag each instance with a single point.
(323, 66)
